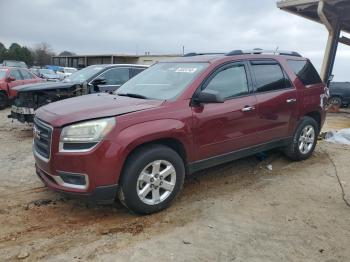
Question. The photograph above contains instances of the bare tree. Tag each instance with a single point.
(42, 54)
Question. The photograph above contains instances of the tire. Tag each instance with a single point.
(139, 192)
(335, 100)
(304, 140)
(3, 100)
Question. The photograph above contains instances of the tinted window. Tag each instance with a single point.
(116, 76)
(305, 71)
(26, 74)
(135, 71)
(230, 82)
(269, 77)
(15, 74)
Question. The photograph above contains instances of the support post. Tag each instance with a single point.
(332, 42)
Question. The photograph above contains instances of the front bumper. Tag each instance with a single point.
(22, 114)
(104, 194)
(92, 174)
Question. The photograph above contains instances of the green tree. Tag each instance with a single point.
(3, 51)
(14, 51)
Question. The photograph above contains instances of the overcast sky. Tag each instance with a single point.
(164, 26)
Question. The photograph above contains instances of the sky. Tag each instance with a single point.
(164, 27)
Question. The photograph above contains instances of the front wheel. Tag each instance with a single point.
(304, 140)
(151, 179)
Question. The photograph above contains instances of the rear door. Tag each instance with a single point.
(276, 100)
(226, 127)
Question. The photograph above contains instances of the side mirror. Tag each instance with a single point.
(209, 96)
(10, 79)
(99, 81)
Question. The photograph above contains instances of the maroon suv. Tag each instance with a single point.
(176, 118)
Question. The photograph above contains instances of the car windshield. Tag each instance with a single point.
(84, 74)
(2, 73)
(162, 81)
(47, 71)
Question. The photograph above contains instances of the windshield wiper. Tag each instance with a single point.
(132, 95)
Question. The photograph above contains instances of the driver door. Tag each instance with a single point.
(18, 81)
(221, 128)
(112, 79)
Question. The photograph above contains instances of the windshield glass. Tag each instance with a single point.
(2, 73)
(47, 71)
(163, 81)
(84, 74)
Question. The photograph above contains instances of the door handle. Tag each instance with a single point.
(292, 100)
(247, 108)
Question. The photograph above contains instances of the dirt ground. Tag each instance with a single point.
(240, 211)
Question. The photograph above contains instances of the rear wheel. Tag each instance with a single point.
(151, 179)
(304, 140)
(3, 100)
(335, 100)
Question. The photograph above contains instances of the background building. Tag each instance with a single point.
(80, 61)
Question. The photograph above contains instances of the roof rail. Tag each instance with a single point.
(259, 51)
(196, 54)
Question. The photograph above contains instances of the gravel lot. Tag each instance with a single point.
(235, 212)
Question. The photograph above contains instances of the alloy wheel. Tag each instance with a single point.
(156, 182)
(306, 139)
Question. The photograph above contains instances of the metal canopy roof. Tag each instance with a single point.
(335, 9)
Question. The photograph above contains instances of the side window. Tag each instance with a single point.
(15, 74)
(269, 76)
(116, 76)
(305, 71)
(135, 71)
(230, 82)
(25, 74)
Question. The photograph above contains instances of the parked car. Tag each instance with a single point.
(48, 74)
(176, 118)
(14, 63)
(92, 79)
(339, 93)
(64, 72)
(11, 77)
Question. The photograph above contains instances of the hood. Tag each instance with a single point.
(51, 76)
(44, 86)
(91, 107)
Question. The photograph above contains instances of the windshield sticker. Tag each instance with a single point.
(186, 70)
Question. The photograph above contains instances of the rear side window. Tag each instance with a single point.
(230, 82)
(269, 76)
(305, 71)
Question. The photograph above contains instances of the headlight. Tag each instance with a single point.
(84, 135)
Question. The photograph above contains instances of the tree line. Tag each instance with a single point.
(40, 55)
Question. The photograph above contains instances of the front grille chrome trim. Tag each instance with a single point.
(40, 156)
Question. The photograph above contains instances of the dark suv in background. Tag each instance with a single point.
(339, 93)
(92, 79)
(176, 118)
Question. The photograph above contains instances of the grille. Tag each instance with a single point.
(42, 138)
